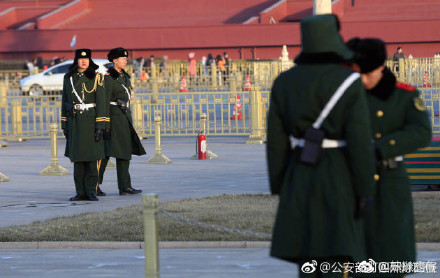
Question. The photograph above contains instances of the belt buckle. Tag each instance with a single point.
(77, 106)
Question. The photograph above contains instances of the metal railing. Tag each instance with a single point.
(24, 117)
(27, 117)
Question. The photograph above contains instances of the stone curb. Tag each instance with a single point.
(132, 245)
(162, 245)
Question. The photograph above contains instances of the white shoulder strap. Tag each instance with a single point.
(74, 91)
(334, 99)
(128, 91)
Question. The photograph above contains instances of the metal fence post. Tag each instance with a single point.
(110, 165)
(150, 204)
(54, 169)
(154, 85)
(402, 70)
(256, 112)
(3, 94)
(136, 112)
(158, 157)
(17, 126)
(213, 76)
(233, 84)
(3, 105)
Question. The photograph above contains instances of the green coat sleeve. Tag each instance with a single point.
(415, 134)
(101, 106)
(360, 154)
(108, 93)
(63, 106)
(278, 144)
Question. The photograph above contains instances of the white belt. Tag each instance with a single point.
(398, 158)
(326, 143)
(84, 106)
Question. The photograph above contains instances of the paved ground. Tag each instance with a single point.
(240, 168)
(28, 197)
(174, 263)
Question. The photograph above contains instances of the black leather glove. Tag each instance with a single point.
(65, 132)
(362, 204)
(98, 134)
(107, 134)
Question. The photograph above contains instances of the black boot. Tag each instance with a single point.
(78, 197)
(129, 190)
(99, 192)
(92, 197)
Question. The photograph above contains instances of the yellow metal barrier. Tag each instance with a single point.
(3, 178)
(158, 157)
(54, 169)
(211, 92)
(150, 203)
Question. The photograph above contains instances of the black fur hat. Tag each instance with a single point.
(115, 53)
(370, 53)
(83, 53)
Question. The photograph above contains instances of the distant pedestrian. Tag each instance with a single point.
(164, 67)
(397, 56)
(30, 66)
(203, 63)
(221, 69)
(192, 67)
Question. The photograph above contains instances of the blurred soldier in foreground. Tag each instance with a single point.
(83, 120)
(121, 139)
(400, 125)
(324, 174)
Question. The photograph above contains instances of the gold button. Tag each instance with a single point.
(376, 177)
(379, 113)
(378, 135)
(392, 142)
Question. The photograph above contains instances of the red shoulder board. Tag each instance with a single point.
(405, 87)
(107, 73)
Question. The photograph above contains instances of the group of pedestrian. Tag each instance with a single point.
(96, 121)
(338, 126)
(37, 63)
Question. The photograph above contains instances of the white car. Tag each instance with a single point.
(50, 81)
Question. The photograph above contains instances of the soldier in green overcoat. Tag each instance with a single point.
(83, 119)
(400, 125)
(121, 139)
(319, 204)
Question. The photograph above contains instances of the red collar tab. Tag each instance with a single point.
(405, 87)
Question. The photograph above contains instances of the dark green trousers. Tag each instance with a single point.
(122, 166)
(85, 175)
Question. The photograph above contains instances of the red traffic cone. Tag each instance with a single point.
(426, 80)
(183, 87)
(247, 84)
(237, 109)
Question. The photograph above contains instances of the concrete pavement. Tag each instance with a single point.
(28, 197)
(174, 263)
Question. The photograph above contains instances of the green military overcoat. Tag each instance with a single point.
(124, 140)
(400, 125)
(81, 125)
(315, 217)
